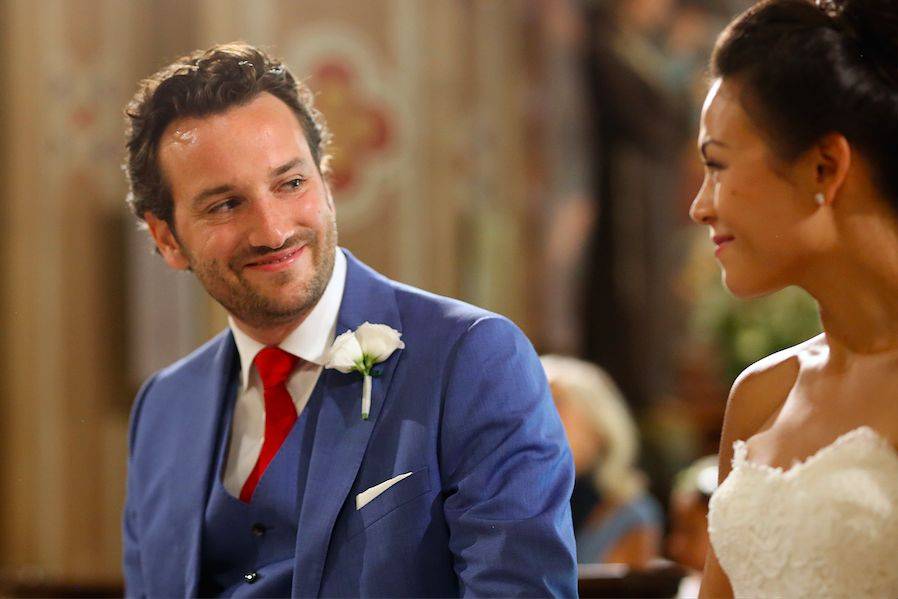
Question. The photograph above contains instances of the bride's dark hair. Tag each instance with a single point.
(812, 68)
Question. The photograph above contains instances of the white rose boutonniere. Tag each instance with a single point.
(360, 350)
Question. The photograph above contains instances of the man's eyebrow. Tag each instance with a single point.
(277, 172)
(710, 142)
(208, 193)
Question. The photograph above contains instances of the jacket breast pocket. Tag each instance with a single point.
(405, 490)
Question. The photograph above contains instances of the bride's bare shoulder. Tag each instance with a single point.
(760, 391)
(768, 381)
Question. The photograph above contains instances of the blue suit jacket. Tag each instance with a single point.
(464, 407)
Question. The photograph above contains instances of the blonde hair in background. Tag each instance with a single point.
(596, 393)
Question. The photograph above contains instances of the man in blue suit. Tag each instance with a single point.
(252, 470)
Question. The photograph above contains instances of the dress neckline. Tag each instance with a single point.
(862, 433)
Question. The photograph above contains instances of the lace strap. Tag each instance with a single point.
(740, 452)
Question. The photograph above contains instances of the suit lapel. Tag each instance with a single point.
(193, 459)
(341, 436)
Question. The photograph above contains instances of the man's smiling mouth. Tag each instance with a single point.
(277, 261)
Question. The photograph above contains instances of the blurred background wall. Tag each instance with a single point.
(533, 157)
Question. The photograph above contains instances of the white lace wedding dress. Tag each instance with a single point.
(826, 527)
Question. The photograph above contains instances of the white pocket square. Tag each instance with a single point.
(363, 498)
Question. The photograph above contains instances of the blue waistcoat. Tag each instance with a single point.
(248, 549)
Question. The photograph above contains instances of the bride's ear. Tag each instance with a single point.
(831, 158)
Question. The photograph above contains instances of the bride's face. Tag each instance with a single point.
(755, 206)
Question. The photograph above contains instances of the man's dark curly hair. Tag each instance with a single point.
(200, 84)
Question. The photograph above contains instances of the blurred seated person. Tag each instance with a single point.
(615, 519)
(687, 541)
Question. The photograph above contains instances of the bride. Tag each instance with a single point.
(799, 135)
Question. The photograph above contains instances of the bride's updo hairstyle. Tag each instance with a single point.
(812, 68)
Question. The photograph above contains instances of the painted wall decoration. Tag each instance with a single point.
(353, 91)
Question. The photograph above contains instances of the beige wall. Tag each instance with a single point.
(441, 206)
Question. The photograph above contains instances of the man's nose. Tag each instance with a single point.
(702, 209)
(271, 224)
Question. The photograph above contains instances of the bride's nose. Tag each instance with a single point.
(702, 209)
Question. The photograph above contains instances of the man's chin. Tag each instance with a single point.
(282, 303)
(273, 299)
(265, 282)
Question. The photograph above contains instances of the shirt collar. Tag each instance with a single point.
(312, 338)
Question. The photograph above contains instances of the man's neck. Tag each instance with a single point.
(269, 335)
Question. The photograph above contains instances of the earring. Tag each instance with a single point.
(820, 198)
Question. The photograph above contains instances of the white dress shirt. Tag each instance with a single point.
(310, 341)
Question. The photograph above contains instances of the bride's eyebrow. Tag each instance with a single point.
(710, 142)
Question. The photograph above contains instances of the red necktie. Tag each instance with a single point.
(274, 366)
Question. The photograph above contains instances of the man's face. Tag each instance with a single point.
(253, 217)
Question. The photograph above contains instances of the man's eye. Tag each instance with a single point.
(225, 206)
(294, 184)
(712, 166)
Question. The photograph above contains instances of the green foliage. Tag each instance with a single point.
(747, 330)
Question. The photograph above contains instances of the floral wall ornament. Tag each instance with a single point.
(363, 94)
(362, 125)
(360, 350)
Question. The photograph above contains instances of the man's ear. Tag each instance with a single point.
(166, 242)
(833, 159)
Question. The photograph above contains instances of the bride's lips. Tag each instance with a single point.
(721, 241)
(277, 261)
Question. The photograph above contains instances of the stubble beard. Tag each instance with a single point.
(245, 302)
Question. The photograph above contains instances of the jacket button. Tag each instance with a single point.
(259, 529)
(251, 577)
